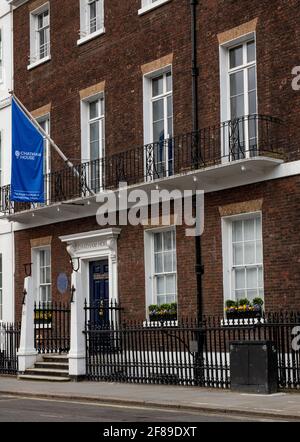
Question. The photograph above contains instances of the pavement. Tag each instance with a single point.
(278, 406)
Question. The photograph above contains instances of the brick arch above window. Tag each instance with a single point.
(242, 207)
(238, 32)
(92, 90)
(158, 64)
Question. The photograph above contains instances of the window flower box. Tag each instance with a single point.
(162, 313)
(163, 317)
(244, 309)
(244, 314)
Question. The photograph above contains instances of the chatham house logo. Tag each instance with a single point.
(28, 156)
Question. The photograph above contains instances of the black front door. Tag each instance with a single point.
(99, 292)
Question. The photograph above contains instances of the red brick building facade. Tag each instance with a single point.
(137, 44)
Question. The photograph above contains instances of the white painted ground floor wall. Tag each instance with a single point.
(7, 252)
(6, 235)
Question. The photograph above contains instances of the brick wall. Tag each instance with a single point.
(131, 268)
(131, 41)
(281, 242)
(281, 236)
(277, 39)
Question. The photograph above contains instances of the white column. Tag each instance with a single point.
(27, 355)
(77, 354)
(113, 270)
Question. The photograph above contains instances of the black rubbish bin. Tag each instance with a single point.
(254, 367)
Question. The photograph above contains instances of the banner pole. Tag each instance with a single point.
(47, 136)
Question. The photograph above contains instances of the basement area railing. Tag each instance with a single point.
(187, 352)
(9, 344)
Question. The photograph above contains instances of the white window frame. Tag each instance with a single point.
(1, 287)
(1, 58)
(2, 201)
(85, 34)
(244, 68)
(149, 5)
(1, 163)
(34, 59)
(148, 112)
(227, 247)
(225, 72)
(150, 265)
(85, 135)
(36, 272)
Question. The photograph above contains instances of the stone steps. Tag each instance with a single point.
(56, 358)
(48, 372)
(27, 377)
(52, 368)
(52, 365)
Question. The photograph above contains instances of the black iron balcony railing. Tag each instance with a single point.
(244, 137)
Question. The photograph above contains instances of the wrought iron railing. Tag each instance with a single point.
(187, 352)
(244, 137)
(9, 344)
(52, 322)
(102, 312)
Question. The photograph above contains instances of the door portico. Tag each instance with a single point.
(86, 248)
(95, 246)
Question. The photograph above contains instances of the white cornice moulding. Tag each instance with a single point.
(5, 102)
(45, 216)
(104, 234)
(17, 3)
(93, 244)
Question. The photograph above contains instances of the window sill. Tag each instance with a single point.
(39, 62)
(156, 324)
(89, 37)
(152, 6)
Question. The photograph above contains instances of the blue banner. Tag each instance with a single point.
(27, 178)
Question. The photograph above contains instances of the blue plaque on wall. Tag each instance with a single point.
(62, 283)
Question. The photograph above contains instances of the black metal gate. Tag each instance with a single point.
(185, 352)
(52, 327)
(9, 344)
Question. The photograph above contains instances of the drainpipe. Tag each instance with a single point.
(195, 69)
(195, 120)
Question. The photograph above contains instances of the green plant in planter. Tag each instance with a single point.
(244, 308)
(231, 308)
(231, 304)
(258, 302)
(163, 312)
(258, 305)
(243, 302)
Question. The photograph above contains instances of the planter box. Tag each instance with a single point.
(244, 315)
(159, 318)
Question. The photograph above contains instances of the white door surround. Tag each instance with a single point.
(87, 247)
(94, 246)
